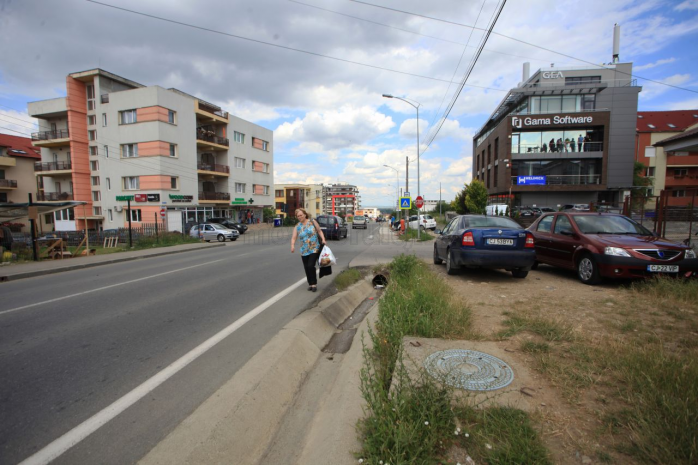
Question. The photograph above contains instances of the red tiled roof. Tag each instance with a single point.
(661, 120)
(19, 146)
(684, 135)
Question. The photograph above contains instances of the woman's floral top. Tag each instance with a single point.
(309, 238)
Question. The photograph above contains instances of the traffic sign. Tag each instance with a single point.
(406, 194)
(419, 202)
(163, 212)
(405, 203)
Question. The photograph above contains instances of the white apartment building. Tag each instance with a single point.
(345, 196)
(173, 155)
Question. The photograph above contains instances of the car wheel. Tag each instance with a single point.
(221, 238)
(234, 239)
(587, 271)
(437, 260)
(450, 267)
(534, 266)
(519, 273)
(422, 228)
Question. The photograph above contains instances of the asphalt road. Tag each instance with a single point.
(73, 343)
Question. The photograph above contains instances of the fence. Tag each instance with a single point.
(74, 238)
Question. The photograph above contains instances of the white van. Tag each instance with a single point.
(496, 208)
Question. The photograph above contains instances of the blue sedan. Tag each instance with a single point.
(478, 241)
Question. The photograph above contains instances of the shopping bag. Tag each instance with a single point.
(326, 258)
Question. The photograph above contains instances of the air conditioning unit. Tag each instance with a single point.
(118, 208)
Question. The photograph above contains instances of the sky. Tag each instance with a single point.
(315, 71)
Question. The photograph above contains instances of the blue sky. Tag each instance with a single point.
(314, 71)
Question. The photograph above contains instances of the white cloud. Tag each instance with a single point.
(687, 5)
(661, 62)
(17, 123)
(691, 104)
(652, 90)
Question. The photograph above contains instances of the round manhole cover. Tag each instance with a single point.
(469, 369)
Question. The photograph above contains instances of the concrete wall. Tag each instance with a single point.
(622, 101)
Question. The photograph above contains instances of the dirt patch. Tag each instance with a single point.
(557, 327)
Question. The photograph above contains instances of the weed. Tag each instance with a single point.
(629, 326)
(163, 240)
(346, 278)
(411, 234)
(535, 347)
(550, 330)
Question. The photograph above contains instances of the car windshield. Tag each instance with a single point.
(491, 222)
(218, 226)
(593, 224)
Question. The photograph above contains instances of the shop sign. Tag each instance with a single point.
(555, 120)
(141, 197)
(553, 75)
(181, 198)
(124, 198)
(239, 201)
(153, 197)
(531, 180)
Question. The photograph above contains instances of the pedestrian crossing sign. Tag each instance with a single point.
(405, 203)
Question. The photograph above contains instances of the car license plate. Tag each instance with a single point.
(501, 242)
(663, 268)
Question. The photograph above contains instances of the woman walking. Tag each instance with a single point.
(312, 240)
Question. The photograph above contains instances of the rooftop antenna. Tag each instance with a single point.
(616, 43)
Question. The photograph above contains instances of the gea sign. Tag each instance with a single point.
(553, 75)
(522, 122)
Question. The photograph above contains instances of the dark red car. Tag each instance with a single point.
(607, 245)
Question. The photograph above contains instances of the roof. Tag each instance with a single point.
(684, 135)
(19, 146)
(660, 121)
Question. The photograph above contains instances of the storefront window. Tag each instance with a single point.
(558, 141)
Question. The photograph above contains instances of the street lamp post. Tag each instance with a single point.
(419, 193)
(397, 186)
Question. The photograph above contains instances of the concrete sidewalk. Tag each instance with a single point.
(28, 270)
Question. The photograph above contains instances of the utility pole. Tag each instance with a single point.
(407, 186)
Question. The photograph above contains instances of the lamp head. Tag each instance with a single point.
(387, 96)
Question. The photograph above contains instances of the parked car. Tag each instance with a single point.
(477, 241)
(579, 207)
(425, 222)
(211, 231)
(333, 227)
(359, 222)
(607, 245)
(496, 208)
(229, 223)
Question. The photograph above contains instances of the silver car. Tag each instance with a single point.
(211, 231)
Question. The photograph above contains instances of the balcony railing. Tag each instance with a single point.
(537, 148)
(50, 135)
(563, 179)
(54, 196)
(208, 137)
(215, 111)
(53, 166)
(212, 167)
(214, 196)
(8, 183)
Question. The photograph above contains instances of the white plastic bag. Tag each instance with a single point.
(326, 258)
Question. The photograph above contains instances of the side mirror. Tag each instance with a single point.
(437, 231)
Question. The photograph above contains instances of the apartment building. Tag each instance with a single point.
(17, 180)
(563, 135)
(112, 141)
(340, 198)
(667, 144)
(289, 197)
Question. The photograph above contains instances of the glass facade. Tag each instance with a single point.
(587, 171)
(558, 141)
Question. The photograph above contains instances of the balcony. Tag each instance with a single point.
(689, 180)
(563, 179)
(210, 113)
(221, 170)
(55, 138)
(682, 160)
(589, 149)
(8, 184)
(54, 196)
(210, 141)
(61, 166)
(7, 161)
(214, 197)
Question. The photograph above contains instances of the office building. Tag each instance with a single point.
(112, 140)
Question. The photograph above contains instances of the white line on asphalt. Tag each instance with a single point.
(108, 287)
(92, 424)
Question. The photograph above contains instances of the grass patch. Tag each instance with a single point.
(411, 235)
(411, 418)
(666, 292)
(346, 278)
(535, 347)
(549, 329)
(163, 240)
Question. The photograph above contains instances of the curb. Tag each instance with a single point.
(239, 421)
(31, 274)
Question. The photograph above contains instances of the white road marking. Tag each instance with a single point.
(92, 424)
(108, 287)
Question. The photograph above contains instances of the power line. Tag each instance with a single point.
(526, 43)
(180, 23)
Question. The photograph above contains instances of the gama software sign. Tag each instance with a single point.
(531, 180)
(555, 120)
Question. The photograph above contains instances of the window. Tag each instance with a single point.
(96, 196)
(239, 162)
(650, 172)
(680, 173)
(135, 215)
(91, 120)
(496, 174)
(671, 125)
(90, 89)
(173, 150)
(239, 137)
(92, 135)
(97, 211)
(651, 126)
(95, 180)
(127, 117)
(104, 120)
(93, 151)
(65, 215)
(278, 193)
(106, 151)
(174, 181)
(562, 224)
(110, 214)
(129, 150)
(489, 154)
(132, 183)
(171, 117)
(545, 224)
(260, 167)
(581, 80)
(496, 148)
(260, 144)
(259, 189)
(265, 145)
(678, 193)
(108, 184)
(239, 188)
(94, 165)
(650, 152)
(48, 218)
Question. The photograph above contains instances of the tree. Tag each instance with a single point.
(458, 203)
(476, 197)
(638, 193)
